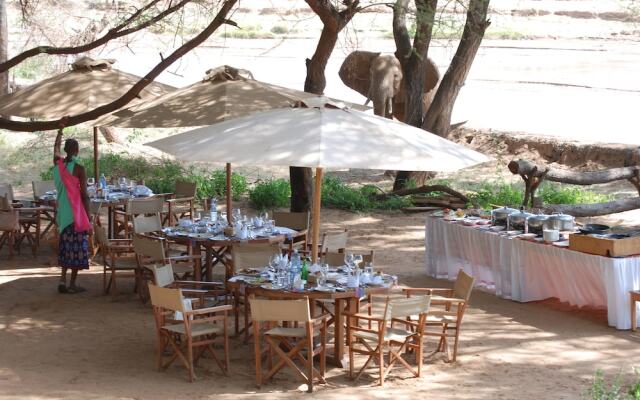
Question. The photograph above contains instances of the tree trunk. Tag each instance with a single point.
(413, 59)
(438, 118)
(594, 210)
(300, 178)
(333, 21)
(524, 167)
(109, 135)
(4, 47)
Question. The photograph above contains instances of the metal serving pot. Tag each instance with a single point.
(518, 220)
(536, 223)
(561, 222)
(499, 215)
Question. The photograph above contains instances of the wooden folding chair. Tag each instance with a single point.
(212, 293)
(9, 225)
(298, 221)
(137, 207)
(118, 257)
(189, 339)
(180, 203)
(248, 255)
(288, 343)
(48, 213)
(152, 250)
(385, 338)
(447, 319)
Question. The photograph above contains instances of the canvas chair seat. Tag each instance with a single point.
(196, 329)
(177, 207)
(390, 335)
(181, 269)
(290, 332)
(125, 264)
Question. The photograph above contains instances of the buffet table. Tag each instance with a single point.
(524, 271)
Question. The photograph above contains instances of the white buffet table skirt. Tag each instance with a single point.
(527, 271)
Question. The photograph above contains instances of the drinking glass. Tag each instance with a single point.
(368, 269)
(357, 259)
(122, 181)
(349, 259)
(321, 279)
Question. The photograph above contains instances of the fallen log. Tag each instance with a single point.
(427, 189)
(528, 168)
(594, 210)
(420, 209)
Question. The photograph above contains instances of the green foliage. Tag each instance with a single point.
(270, 194)
(511, 194)
(337, 194)
(214, 184)
(616, 390)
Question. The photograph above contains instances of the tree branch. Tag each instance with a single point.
(113, 33)
(32, 126)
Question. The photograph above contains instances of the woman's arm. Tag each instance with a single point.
(81, 173)
(57, 154)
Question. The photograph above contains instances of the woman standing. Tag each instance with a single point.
(72, 215)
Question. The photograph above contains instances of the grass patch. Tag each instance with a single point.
(615, 390)
(247, 32)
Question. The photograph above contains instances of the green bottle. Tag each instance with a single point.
(304, 272)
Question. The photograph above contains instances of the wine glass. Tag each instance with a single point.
(91, 181)
(357, 259)
(122, 181)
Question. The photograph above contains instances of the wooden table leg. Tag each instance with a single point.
(209, 264)
(111, 223)
(197, 273)
(338, 328)
(634, 319)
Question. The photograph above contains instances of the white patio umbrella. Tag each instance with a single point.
(320, 134)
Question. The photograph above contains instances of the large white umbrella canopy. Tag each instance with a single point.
(224, 93)
(320, 137)
(320, 134)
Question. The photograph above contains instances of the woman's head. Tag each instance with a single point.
(71, 147)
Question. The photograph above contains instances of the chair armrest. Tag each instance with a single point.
(321, 318)
(363, 316)
(429, 291)
(210, 310)
(199, 283)
(164, 195)
(435, 300)
(184, 258)
(179, 200)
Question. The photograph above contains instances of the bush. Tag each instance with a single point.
(616, 390)
(270, 194)
(337, 194)
(215, 183)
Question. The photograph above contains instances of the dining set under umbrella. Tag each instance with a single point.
(248, 122)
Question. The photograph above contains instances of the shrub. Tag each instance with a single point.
(270, 194)
(616, 390)
(337, 194)
(215, 183)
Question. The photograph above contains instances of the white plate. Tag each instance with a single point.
(528, 236)
(497, 228)
(323, 289)
(563, 243)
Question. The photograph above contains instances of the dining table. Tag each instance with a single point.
(217, 246)
(345, 299)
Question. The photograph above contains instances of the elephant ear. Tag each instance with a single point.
(355, 70)
(432, 75)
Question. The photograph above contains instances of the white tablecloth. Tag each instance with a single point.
(526, 271)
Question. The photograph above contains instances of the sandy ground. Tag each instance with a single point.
(88, 346)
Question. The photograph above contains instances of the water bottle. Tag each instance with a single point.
(213, 209)
(103, 182)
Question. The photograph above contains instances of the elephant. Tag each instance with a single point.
(378, 77)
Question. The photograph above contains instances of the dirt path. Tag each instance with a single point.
(88, 347)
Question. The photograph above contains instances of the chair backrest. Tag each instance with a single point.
(334, 241)
(94, 207)
(333, 259)
(9, 220)
(41, 187)
(149, 247)
(280, 310)
(5, 204)
(169, 299)
(144, 224)
(152, 205)
(100, 233)
(7, 191)
(185, 189)
(405, 307)
(251, 255)
(163, 275)
(298, 221)
(463, 285)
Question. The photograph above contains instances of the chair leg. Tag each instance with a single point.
(455, 344)
(381, 363)
(190, 359)
(257, 353)
(310, 359)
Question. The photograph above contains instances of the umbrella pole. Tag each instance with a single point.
(95, 154)
(315, 228)
(228, 192)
